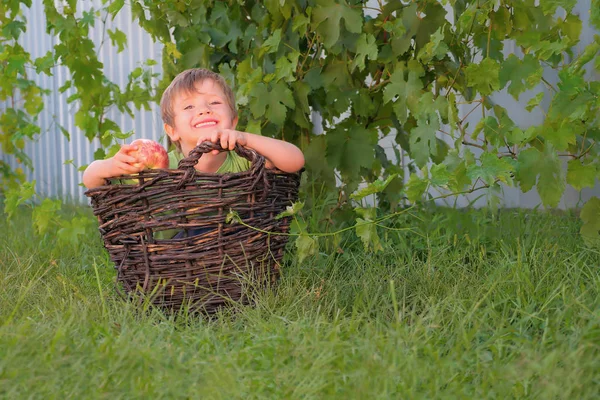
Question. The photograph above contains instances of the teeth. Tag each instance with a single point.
(200, 125)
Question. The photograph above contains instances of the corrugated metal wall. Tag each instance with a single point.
(54, 178)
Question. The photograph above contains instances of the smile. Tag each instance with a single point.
(207, 123)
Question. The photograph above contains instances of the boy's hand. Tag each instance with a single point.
(124, 163)
(228, 138)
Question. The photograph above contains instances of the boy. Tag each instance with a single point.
(199, 106)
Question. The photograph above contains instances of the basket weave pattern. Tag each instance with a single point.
(205, 270)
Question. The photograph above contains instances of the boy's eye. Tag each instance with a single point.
(215, 102)
(188, 107)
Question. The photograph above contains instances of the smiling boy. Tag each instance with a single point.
(199, 106)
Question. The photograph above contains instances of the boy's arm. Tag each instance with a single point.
(120, 164)
(279, 154)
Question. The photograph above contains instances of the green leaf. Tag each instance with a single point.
(374, 187)
(307, 246)
(115, 6)
(72, 231)
(416, 187)
(527, 168)
(291, 210)
(580, 175)
(271, 44)
(520, 137)
(491, 168)
(551, 183)
(404, 92)
(366, 47)
(13, 29)
(484, 77)
(17, 196)
(44, 64)
(535, 101)
(549, 6)
(327, 16)
(522, 74)
(367, 232)
(562, 136)
(232, 217)
(457, 168)
(440, 176)
(285, 67)
(423, 141)
(315, 155)
(271, 103)
(117, 38)
(590, 215)
(350, 148)
(44, 214)
(595, 16)
(435, 49)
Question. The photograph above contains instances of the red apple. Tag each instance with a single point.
(150, 153)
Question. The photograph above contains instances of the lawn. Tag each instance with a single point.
(467, 305)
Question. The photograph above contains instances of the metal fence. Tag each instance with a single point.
(56, 178)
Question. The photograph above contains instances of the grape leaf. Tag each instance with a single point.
(551, 183)
(326, 18)
(72, 230)
(549, 6)
(271, 103)
(44, 213)
(351, 148)
(423, 141)
(366, 229)
(492, 167)
(307, 246)
(291, 210)
(535, 101)
(590, 215)
(527, 170)
(580, 175)
(435, 49)
(484, 77)
(367, 232)
(404, 92)
(562, 136)
(271, 44)
(416, 187)
(440, 176)
(595, 16)
(13, 29)
(117, 38)
(18, 196)
(523, 74)
(366, 47)
(374, 187)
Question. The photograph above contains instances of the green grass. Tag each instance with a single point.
(468, 306)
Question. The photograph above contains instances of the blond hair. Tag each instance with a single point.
(185, 82)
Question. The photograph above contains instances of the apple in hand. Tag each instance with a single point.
(150, 153)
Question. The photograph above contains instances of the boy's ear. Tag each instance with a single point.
(234, 122)
(171, 132)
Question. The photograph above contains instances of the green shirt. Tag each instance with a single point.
(233, 163)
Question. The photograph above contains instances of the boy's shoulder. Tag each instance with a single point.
(174, 157)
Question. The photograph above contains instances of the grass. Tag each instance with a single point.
(473, 306)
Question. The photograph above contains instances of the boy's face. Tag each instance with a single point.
(199, 112)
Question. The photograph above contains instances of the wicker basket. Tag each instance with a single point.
(207, 270)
